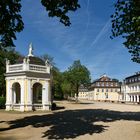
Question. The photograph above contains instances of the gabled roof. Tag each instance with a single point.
(103, 78)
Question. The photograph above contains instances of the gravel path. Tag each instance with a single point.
(86, 120)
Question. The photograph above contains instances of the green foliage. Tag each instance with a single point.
(49, 58)
(126, 23)
(56, 87)
(78, 74)
(56, 77)
(60, 8)
(67, 83)
(11, 19)
(2, 102)
(66, 88)
(10, 55)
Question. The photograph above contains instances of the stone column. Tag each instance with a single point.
(14, 96)
(22, 103)
(137, 98)
(45, 96)
(138, 87)
(134, 98)
(131, 98)
(29, 96)
(8, 96)
(127, 97)
(49, 93)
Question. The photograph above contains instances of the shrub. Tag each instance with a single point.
(2, 102)
(53, 106)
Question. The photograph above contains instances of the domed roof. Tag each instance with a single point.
(36, 60)
(32, 60)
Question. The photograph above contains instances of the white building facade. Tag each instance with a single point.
(102, 89)
(28, 84)
(131, 88)
(106, 89)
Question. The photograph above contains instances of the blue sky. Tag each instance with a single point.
(87, 39)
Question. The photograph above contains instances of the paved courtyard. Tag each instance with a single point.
(83, 121)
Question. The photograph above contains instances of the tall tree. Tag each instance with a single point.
(11, 19)
(56, 84)
(66, 85)
(66, 88)
(126, 23)
(78, 74)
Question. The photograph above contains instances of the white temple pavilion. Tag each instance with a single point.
(28, 84)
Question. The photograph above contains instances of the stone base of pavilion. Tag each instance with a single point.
(28, 107)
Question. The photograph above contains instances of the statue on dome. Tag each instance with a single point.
(30, 50)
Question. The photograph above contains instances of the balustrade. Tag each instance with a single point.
(23, 67)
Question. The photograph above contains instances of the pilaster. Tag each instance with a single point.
(29, 96)
(22, 104)
(8, 96)
(45, 96)
(134, 98)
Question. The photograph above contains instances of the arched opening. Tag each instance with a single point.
(16, 93)
(37, 93)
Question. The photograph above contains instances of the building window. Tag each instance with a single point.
(111, 84)
(106, 90)
(97, 84)
(102, 84)
(106, 94)
(107, 84)
(97, 90)
(102, 90)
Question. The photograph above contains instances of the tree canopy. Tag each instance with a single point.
(78, 74)
(11, 20)
(126, 23)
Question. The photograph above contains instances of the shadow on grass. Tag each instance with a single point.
(72, 123)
